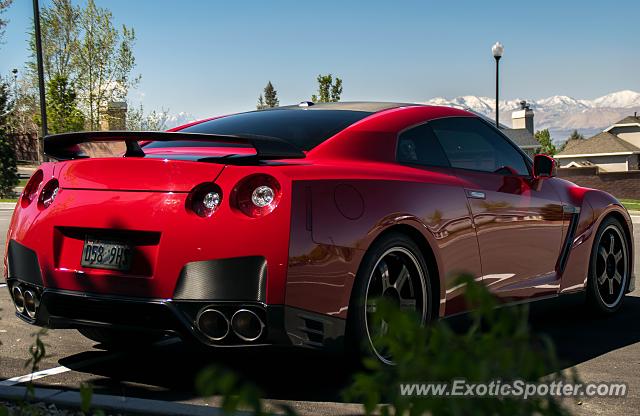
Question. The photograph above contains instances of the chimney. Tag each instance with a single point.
(522, 118)
(116, 116)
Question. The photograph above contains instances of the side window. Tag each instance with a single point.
(471, 144)
(420, 146)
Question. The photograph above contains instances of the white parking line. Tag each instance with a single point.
(3, 285)
(34, 376)
(62, 369)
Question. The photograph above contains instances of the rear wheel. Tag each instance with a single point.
(395, 270)
(609, 268)
(119, 339)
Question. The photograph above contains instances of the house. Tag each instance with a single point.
(616, 149)
(521, 131)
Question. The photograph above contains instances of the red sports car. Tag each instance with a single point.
(282, 227)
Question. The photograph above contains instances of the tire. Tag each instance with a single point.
(113, 339)
(391, 252)
(609, 268)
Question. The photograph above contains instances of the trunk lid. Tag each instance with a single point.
(136, 174)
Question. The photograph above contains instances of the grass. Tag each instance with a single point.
(631, 204)
(23, 182)
(8, 199)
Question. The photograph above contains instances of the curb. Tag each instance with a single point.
(127, 405)
(7, 206)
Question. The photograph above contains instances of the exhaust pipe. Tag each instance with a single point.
(18, 298)
(247, 325)
(30, 304)
(213, 324)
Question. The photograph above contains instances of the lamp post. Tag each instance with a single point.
(43, 103)
(497, 51)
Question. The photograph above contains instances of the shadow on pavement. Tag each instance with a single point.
(168, 372)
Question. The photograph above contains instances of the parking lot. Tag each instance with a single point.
(601, 350)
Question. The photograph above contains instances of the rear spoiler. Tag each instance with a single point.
(65, 146)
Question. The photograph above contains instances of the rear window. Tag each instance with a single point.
(305, 129)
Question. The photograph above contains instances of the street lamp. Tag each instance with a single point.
(14, 71)
(497, 51)
(43, 103)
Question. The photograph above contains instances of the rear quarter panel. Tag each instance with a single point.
(335, 220)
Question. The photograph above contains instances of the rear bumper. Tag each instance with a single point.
(283, 325)
(226, 285)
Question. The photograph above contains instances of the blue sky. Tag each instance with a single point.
(212, 57)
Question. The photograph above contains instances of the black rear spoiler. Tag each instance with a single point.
(65, 146)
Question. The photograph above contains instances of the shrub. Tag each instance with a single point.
(498, 345)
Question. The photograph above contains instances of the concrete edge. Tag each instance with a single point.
(127, 405)
(634, 212)
(9, 206)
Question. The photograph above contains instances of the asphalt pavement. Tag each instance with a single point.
(601, 350)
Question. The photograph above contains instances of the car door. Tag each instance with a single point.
(518, 220)
(444, 210)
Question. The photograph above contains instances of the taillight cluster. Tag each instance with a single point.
(255, 196)
(30, 191)
(205, 199)
(48, 192)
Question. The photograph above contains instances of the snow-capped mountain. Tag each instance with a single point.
(559, 113)
(174, 120)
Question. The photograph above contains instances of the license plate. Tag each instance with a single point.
(106, 254)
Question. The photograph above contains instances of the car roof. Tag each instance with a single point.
(366, 106)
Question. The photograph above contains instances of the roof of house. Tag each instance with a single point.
(629, 120)
(521, 137)
(602, 143)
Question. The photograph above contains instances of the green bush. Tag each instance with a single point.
(498, 345)
(8, 167)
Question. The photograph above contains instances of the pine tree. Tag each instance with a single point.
(546, 144)
(261, 105)
(575, 136)
(8, 167)
(270, 96)
(62, 110)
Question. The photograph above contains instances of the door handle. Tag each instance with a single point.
(476, 194)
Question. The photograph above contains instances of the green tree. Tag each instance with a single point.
(4, 5)
(104, 62)
(8, 167)
(137, 120)
(59, 25)
(83, 45)
(328, 90)
(546, 144)
(62, 110)
(261, 105)
(270, 96)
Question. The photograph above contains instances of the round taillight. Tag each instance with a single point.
(257, 195)
(30, 191)
(48, 193)
(204, 199)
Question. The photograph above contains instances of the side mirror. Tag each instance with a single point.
(544, 166)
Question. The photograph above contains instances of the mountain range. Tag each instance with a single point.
(560, 114)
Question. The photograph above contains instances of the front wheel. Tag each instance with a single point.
(395, 270)
(609, 268)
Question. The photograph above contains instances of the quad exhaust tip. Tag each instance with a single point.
(18, 298)
(30, 303)
(247, 325)
(213, 324)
